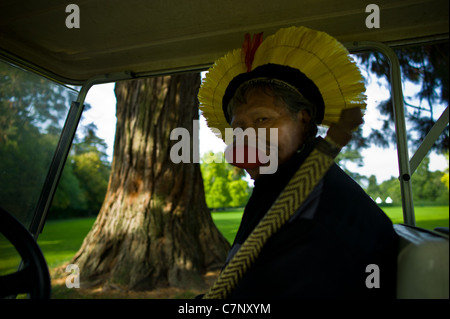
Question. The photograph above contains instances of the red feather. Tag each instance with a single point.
(249, 48)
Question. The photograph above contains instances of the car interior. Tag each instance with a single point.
(115, 41)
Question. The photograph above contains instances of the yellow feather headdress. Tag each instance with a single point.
(317, 55)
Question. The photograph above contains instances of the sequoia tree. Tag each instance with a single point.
(154, 228)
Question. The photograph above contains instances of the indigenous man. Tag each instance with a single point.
(333, 242)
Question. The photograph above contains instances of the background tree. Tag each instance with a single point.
(69, 199)
(426, 66)
(154, 228)
(84, 180)
(351, 154)
(428, 187)
(373, 189)
(224, 184)
(32, 113)
(445, 177)
(390, 188)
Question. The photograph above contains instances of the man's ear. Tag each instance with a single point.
(303, 117)
(303, 121)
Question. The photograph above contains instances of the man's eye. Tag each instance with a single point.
(261, 119)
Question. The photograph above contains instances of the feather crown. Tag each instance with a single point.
(313, 62)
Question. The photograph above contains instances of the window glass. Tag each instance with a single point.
(32, 115)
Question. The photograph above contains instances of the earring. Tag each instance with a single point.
(301, 149)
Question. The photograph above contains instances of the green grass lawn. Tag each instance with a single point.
(59, 242)
(427, 217)
(228, 223)
(61, 239)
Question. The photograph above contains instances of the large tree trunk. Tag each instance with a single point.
(154, 229)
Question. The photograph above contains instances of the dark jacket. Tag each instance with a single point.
(325, 248)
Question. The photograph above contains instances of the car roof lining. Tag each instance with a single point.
(141, 37)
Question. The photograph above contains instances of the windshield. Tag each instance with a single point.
(32, 114)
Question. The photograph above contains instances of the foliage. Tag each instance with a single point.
(445, 178)
(84, 180)
(351, 154)
(223, 183)
(427, 186)
(427, 67)
(69, 194)
(32, 114)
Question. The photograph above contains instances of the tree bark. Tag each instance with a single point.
(154, 228)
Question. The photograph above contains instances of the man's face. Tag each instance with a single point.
(264, 111)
